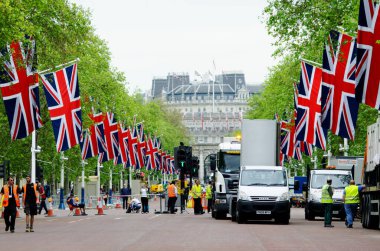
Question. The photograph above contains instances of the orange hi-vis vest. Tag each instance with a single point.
(171, 191)
(35, 192)
(6, 196)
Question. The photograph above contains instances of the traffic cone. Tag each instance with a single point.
(77, 212)
(50, 209)
(100, 207)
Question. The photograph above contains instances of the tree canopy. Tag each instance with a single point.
(63, 32)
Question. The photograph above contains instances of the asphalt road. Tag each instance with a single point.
(154, 232)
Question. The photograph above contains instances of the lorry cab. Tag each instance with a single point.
(263, 194)
(340, 179)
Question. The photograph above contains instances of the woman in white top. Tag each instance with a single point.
(144, 200)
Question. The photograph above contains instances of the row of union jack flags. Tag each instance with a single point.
(328, 98)
(105, 138)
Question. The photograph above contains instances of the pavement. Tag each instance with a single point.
(120, 231)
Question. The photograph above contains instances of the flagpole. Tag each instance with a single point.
(82, 190)
(35, 149)
(110, 188)
(61, 203)
(58, 66)
(311, 62)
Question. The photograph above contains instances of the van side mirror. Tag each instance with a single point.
(212, 162)
(304, 187)
(296, 185)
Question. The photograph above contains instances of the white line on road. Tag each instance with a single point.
(151, 218)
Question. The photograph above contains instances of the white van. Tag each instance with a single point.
(263, 194)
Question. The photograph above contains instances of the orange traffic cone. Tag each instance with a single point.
(77, 212)
(100, 207)
(50, 208)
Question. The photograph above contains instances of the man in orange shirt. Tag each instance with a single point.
(172, 194)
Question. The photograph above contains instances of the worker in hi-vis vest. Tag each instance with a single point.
(327, 201)
(351, 201)
(11, 200)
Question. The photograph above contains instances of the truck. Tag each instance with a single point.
(263, 191)
(316, 179)
(370, 202)
(226, 169)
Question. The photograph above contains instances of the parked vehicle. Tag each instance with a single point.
(371, 170)
(226, 170)
(316, 180)
(263, 191)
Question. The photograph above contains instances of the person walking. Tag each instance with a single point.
(30, 200)
(10, 202)
(41, 190)
(144, 200)
(351, 201)
(124, 195)
(196, 191)
(172, 195)
(327, 201)
(209, 196)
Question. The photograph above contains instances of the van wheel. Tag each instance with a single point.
(220, 215)
(240, 219)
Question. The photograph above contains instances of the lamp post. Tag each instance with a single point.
(82, 190)
(34, 149)
(62, 184)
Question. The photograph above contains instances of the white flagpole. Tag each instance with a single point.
(61, 65)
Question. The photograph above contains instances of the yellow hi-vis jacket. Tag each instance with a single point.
(326, 197)
(352, 194)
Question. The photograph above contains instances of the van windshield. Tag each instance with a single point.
(263, 178)
(339, 181)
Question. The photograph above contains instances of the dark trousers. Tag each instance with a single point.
(328, 214)
(43, 205)
(10, 212)
(197, 206)
(144, 202)
(171, 204)
(209, 205)
(125, 202)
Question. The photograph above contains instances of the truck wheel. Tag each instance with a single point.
(212, 213)
(220, 215)
(365, 212)
(240, 219)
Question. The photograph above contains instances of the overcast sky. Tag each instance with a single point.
(150, 38)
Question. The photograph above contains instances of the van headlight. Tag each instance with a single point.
(244, 196)
(283, 197)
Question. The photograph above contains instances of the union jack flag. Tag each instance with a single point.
(288, 137)
(89, 144)
(123, 141)
(132, 146)
(150, 155)
(98, 120)
(308, 122)
(163, 162)
(19, 87)
(157, 155)
(368, 55)
(339, 106)
(167, 164)
(141, 146)
(63, 100)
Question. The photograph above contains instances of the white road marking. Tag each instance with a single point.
(157, 215)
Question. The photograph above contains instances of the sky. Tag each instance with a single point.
(151, 38)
